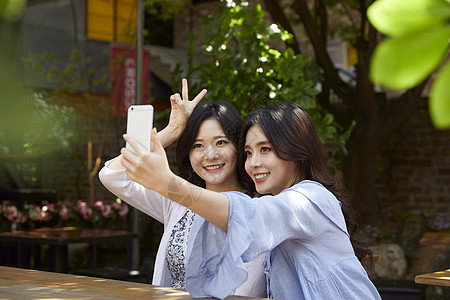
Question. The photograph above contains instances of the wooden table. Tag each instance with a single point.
(59, 238)
(436, 278)
(436, 239)
(18, 283)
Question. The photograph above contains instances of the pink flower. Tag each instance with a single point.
(50, 207)
(35, 213)
(11, 212)
(123, 212)
(98, 203)
(14, 216)
(86, 212)
(64, 212)
(81, 205)
(116, 205)
(106, 211)
(22, 218)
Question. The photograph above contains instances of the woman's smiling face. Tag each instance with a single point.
(270, 173)
(213, 157)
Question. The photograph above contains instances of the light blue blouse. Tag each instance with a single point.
(310, 255)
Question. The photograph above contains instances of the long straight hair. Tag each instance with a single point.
(293, 136)
(231, 123)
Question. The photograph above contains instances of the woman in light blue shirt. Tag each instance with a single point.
(304, 223)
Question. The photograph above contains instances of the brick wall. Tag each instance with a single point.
(414, 169)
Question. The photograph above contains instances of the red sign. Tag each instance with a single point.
(123, 77)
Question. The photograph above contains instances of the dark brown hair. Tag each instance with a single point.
(231, 123)
(293, 136)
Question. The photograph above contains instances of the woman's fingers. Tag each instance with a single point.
(185, 93)
(128, 162)
(199, 97)
(177, 99)
(156, 143)
(128, 157)
(134, 144)
(184, 89)
(125, 161)
(173, 101)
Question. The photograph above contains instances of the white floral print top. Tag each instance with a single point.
(177, 249)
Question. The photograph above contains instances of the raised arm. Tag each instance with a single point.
(151, 169)
(180, 110)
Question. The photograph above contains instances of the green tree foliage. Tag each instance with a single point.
(418, 38)
(248, 66)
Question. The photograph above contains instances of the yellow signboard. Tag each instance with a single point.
(111, 20)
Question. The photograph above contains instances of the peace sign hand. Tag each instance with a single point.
(181, 109)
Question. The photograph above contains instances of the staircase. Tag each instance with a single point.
(163, 61)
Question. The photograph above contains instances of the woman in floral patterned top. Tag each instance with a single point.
(207, 157)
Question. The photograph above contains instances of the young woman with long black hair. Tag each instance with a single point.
(304, 223)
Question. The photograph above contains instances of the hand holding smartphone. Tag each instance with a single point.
(139, 125)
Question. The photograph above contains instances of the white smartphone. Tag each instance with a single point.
(139, 125)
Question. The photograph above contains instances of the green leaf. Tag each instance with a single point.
(439, 102)
(328, 119)
(401, 63)
(402, 17)
(12, 10)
